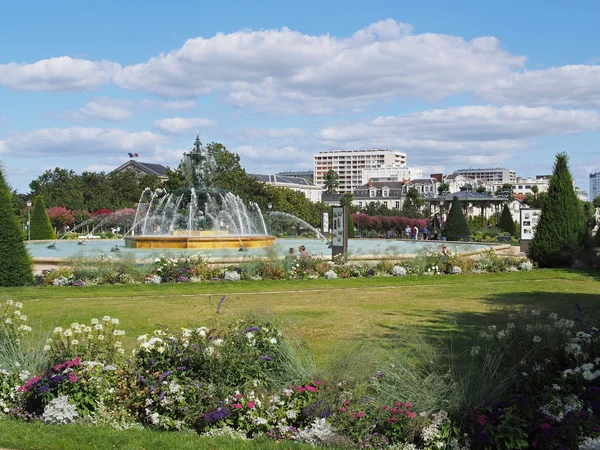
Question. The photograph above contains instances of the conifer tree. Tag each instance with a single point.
(351, 229)
(15, 262)
(506, 222)
(456, 226)
(562, 228)
(41, 228)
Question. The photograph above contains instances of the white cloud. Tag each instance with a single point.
(180, 126)
(102, 108)
(57, 75)
(452, 128)
(569, 86)
(80, 141)
(274, 69)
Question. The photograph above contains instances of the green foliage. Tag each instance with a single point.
(59, 187)
(351, 230)
(346, 199)
(331, 181)
(506, 222)
(443, 189)
(456, 225)
(41, 228)
(506, 190)
(596, 201)
(15, 262)
(562, 227)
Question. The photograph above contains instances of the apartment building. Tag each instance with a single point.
(310, 191)
(492, 175)
(394, 172)
(349, 165)
(524, 185)
(594, 186)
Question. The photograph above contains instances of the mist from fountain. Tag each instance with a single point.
(304, 223)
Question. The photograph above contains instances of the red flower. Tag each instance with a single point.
(481, 420)
(250, 405)
(411, 414)
(310, 388)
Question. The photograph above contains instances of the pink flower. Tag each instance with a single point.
(544, 426)
(342, 409)
(238, 396)
(236, 406)
(318, 383)
(481, 420)
(392, 419)
(250, 405)
(411, 414)
(384, 407)
(72, 377)
(360, 415)
(310, 388)
(299, 389)
(29, 383)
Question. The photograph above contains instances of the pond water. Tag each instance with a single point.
(315, 247)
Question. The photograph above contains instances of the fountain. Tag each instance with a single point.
(198, 217)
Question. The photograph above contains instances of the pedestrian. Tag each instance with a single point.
(303, 252)
(415, 233)
(407, 232)
(425, 233)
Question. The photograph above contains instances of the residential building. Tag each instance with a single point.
(426, 187)
(491, 175)
(594, 186)
(581, 195)
(349, 164)
(457, 182)
(310, 191)
(395, 172)
(389, 193)
(524, 185)
(141, 169)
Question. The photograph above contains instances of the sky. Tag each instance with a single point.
(454, 84)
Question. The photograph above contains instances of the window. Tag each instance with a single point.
(397, 205)
(360, 204)
(372, 193)
(385, 193)
(385, 204)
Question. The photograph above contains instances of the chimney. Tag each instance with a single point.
(370, 183)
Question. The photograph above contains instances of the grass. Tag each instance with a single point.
(22, 435)
(326, 314)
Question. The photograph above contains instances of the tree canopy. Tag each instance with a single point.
(331, 181)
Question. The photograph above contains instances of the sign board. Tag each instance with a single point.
(339, 232)
(325, 223)
(529, 221)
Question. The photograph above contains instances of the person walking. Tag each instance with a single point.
(407, 232)
(415, 233)
(425, 232)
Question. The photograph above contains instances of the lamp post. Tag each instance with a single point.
(28, 220)
(270, 208)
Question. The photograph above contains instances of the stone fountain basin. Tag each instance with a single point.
(199, 241)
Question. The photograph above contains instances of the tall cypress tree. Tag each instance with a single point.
(15, 262)
(561, 229)
(506, 222)
(456, 225)
(41, 228)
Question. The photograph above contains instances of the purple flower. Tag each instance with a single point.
(248, 330)
(221, 303)
(218, 414)
(266, 358)
(180, 368)
(165, 374)
(162, 395)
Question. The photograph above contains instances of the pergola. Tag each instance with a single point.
(488, 205)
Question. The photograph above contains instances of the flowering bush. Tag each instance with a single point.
(330, 275)
(183, 268)
(399, 271)
(231, 275)
(60, 411)
(99, 341)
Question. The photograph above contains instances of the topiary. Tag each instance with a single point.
(456, 226)
(15, 262)
(562, 227)
(41, 228)
(351, 230)
(506, 222)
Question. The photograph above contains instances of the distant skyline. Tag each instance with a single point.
(452, 84)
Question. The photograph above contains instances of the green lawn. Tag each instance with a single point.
(326, 314)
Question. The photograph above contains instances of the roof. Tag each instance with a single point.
(149, 168)
(281, 179)
(423, 180)
(382, 184)
(471, 195)
(325, 197)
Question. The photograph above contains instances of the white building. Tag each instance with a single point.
(492, 175)
(581, 195)
(310, 191)
(456, 182)
(524, 185)
(394, 172)
(349, 164)
(594, 186)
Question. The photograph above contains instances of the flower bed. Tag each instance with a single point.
(532, 382)
(197, 268)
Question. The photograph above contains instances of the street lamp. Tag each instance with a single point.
(270, 208)
(28, 220)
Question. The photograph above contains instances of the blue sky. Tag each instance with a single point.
(452, 84)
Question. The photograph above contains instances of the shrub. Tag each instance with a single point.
(506, 222)
(15, 262)
(41, 228)
(456, 225)
(562, 226)
(60, 411)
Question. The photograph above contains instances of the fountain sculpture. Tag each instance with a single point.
(200, 216)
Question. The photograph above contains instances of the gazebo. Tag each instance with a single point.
(485, 204)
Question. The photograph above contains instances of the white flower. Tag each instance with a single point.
(537, 339)
(47, 348)
(8, 320)
(18, 305)
(553, 316)
(68, 333)
(160, 349)
(94, 321)
(114, 321)
(106, 319)
(218, 342)
(121, 351)
(9, 302)
(273, 340)
(75, 342)
(475, 350)
(98, 327)
(100, 337)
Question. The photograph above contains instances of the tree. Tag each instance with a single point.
(456, 225)
(596, 202)
(41, 228)
(60, 217)
(506, 190)
(59, 187)
(331, 181)
(351, 230)
(412, 204)
(15, 262)
(443, 189)
(535, 189)
(481, 189)
(506, 222)
(562, 228)
(346, 199)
